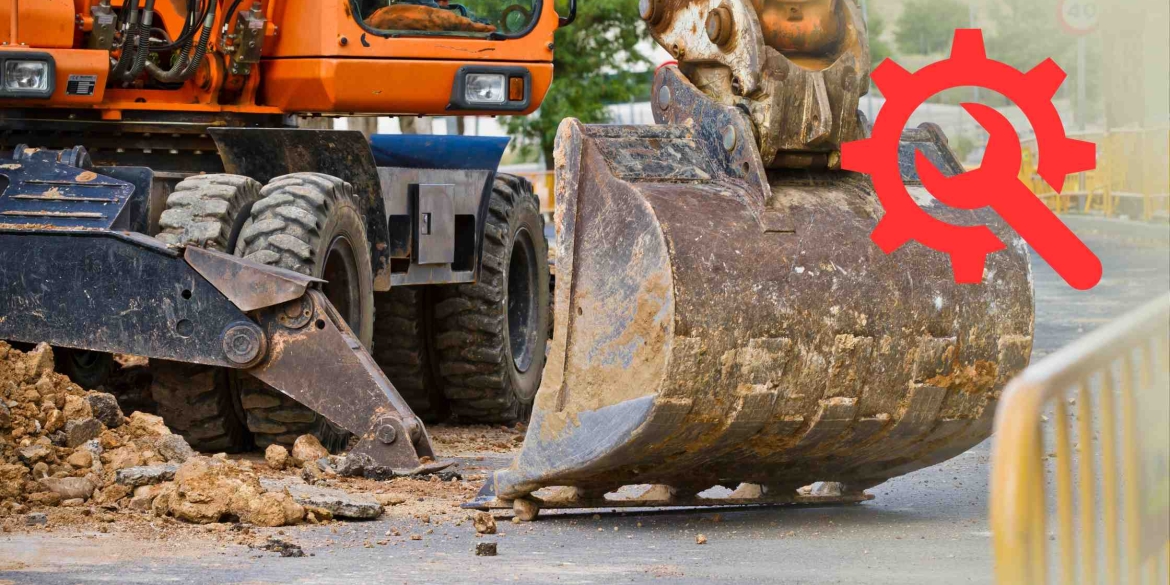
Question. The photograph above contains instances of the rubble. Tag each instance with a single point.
(308, 449)
(337, 502)
(64, 447)
(276, 456)
(175, 449)
(285, 548)
(105, 409)
(484, 523)
(146, 474)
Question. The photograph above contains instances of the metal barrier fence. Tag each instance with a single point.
(1132, 176)
(1108, 460)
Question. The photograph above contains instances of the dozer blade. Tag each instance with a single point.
(121, 292)
(720, 324)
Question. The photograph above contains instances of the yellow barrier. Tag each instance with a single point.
(1116, 529)
(1132, 164)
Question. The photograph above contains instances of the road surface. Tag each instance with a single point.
(927, 527)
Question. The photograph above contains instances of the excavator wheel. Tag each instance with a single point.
(402, 349)
(309, 223)
(207, 211)
(490, 336)
(88, 369)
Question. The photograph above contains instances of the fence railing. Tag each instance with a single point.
(1101, 469)
(1131, 177)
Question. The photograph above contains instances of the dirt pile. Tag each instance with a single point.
(65, 447)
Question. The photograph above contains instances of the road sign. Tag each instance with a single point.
(1079, 17)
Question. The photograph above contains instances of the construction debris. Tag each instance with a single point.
(62, 446)
(484, 523)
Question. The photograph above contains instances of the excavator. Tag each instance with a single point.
(724, 330)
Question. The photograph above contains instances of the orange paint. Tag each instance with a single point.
(306, 67)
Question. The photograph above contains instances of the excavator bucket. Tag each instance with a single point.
(718, 323)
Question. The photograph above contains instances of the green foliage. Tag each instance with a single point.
(879, 49)
(595, 63)
(927, 26)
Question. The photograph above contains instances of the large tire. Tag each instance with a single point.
(402, 349)
(197, 401)
(89, 369)
(309, 223)
(491, 336)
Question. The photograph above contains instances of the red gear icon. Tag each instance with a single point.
(995, 184)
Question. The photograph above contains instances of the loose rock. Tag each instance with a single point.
(307, 449)
(34, 453)
(389, 499)
(110, 495)
(77, 408)
(105, 408)
(486, 549)
(339, 503)
(146, 474)
(69, 487)
(484, 523)
(276, 456)
(36, 518)
(700, 539)
(285, 548)
(174, 448)
(78, 432)
(80, 459)
(525, 509)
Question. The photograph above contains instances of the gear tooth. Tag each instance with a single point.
(1046, 78)
(889, 76)
(888, 236)
(857, 156)
(1080, 155)
(1072, 156)
(968, 266)
(968, 45)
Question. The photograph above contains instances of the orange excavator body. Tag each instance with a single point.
(317, 56)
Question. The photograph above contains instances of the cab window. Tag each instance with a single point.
(468, 18)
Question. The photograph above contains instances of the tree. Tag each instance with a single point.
(596, 63)
(879, 49)
(927, 26)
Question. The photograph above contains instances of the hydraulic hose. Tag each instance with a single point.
(119, 66)
(186, 67)
(194, 16)
(143, 43)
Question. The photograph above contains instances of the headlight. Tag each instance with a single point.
(26, 76)
(484, 88)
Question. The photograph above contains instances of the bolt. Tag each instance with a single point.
(343, 41)
(720, 26)
(664, 97)
(243, 343)
(386, 433)
(729, 138)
